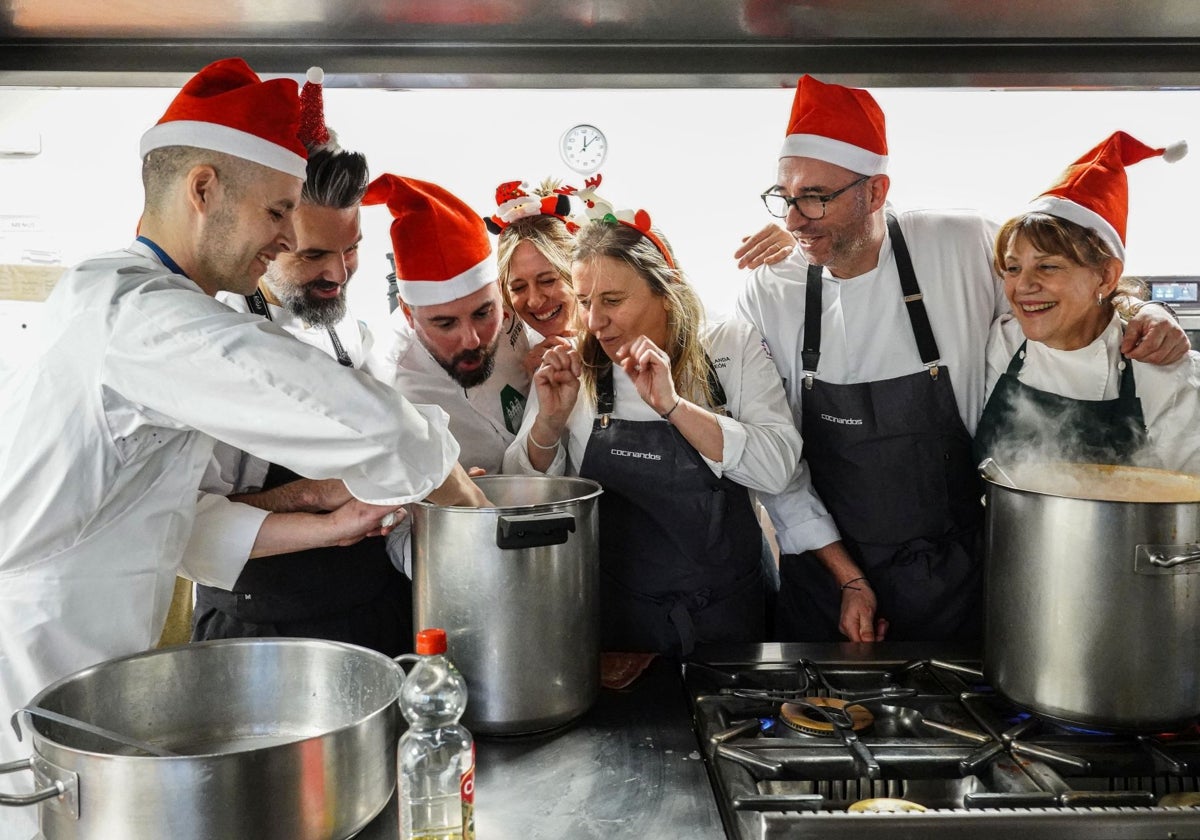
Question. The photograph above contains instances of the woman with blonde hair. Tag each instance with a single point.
(678, 421)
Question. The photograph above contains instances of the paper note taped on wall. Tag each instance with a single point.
(28, 282)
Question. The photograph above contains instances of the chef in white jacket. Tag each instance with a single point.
(876, 324)
(677, 422)
(456, 344)
(106, 431)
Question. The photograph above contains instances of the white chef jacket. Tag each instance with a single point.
(483, 419)
(761, 444)
(225, 531)
(1170, 394)
(105, 435)
(866, 335)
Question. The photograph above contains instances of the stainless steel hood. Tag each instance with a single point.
(610, 43)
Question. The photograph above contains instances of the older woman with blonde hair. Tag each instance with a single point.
(1059, 386)
(678, 421)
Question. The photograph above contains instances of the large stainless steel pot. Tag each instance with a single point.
(1093, 594)
(293, 739)
(516, 588)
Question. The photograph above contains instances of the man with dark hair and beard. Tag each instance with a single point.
(456, 345)
(302, 583)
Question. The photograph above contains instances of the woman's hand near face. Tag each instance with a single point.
(557, 383)
(650, 369)
(533, 359)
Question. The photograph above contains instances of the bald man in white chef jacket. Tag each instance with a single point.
(106, 431)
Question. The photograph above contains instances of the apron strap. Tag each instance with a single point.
(810, 347)
(1128, 388)
(913, 299)
(1017, 362)
(258, 305)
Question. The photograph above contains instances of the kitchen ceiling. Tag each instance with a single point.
(610, 43)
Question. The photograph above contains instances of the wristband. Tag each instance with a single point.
(671, 411)
(847, 585)
(539, 446)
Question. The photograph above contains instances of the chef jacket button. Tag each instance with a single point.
(1121, 365)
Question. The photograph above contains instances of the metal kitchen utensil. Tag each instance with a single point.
(1075, 603)
(517, 587)
(294, 739)
(992, 471)
(90, 728)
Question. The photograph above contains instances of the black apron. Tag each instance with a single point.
(342, 593)
(893, 463)
(1091, 431)
(680, 549)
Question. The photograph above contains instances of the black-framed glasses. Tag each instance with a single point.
(809, 206)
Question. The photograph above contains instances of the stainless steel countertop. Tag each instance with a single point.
(630, 767)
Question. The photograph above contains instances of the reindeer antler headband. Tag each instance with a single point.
(599, 210)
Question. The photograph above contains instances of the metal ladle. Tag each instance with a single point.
(89, 728)
(992, 471)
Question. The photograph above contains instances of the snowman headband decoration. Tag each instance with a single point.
(515, 201)
(599, 210)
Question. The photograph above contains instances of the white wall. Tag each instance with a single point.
(696, 159)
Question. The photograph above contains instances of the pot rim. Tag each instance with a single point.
(994, 481)
(273, 641)
(594, 492)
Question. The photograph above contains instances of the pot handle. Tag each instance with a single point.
(1167, 559)
(58, 786)
(533, 530)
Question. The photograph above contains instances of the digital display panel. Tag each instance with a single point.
(1175, 292)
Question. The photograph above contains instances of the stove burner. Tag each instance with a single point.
(802, 717)
(885, 806)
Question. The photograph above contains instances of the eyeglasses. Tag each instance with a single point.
(809, 206)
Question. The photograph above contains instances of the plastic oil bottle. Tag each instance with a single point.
(436, 756)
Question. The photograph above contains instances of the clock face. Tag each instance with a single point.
(583, 148)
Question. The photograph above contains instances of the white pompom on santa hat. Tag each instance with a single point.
(227, 108)
(839, 125)
(1094, 191)
(440, 245)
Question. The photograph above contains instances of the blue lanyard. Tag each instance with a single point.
(162, 255)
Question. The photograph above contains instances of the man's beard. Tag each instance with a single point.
(318, 312)
(477, 376)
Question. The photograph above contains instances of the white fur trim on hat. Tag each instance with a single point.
(837, 152)
(1080, 215)
(435, 292)
(222, 138)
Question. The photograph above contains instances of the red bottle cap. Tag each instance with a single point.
(431, 641)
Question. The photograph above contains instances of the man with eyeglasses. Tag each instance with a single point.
(878, 324)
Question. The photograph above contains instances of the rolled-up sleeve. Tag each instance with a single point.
(761, 444)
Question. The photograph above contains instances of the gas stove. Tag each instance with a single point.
(908, 741)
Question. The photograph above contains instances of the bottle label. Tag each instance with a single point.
(466, 790)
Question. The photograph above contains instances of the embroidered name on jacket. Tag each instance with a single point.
(845, 421)
(625, 453)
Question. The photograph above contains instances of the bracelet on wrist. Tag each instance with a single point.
(671, 410)
(847, 584)
(539, 446)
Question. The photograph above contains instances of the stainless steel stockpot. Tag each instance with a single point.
(516, 587)
(275, 739)
(1093, 603)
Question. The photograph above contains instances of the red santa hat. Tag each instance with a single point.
(313, 131)
(227, 108)
(440, 245)
(840, 125)
(1094, 191)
